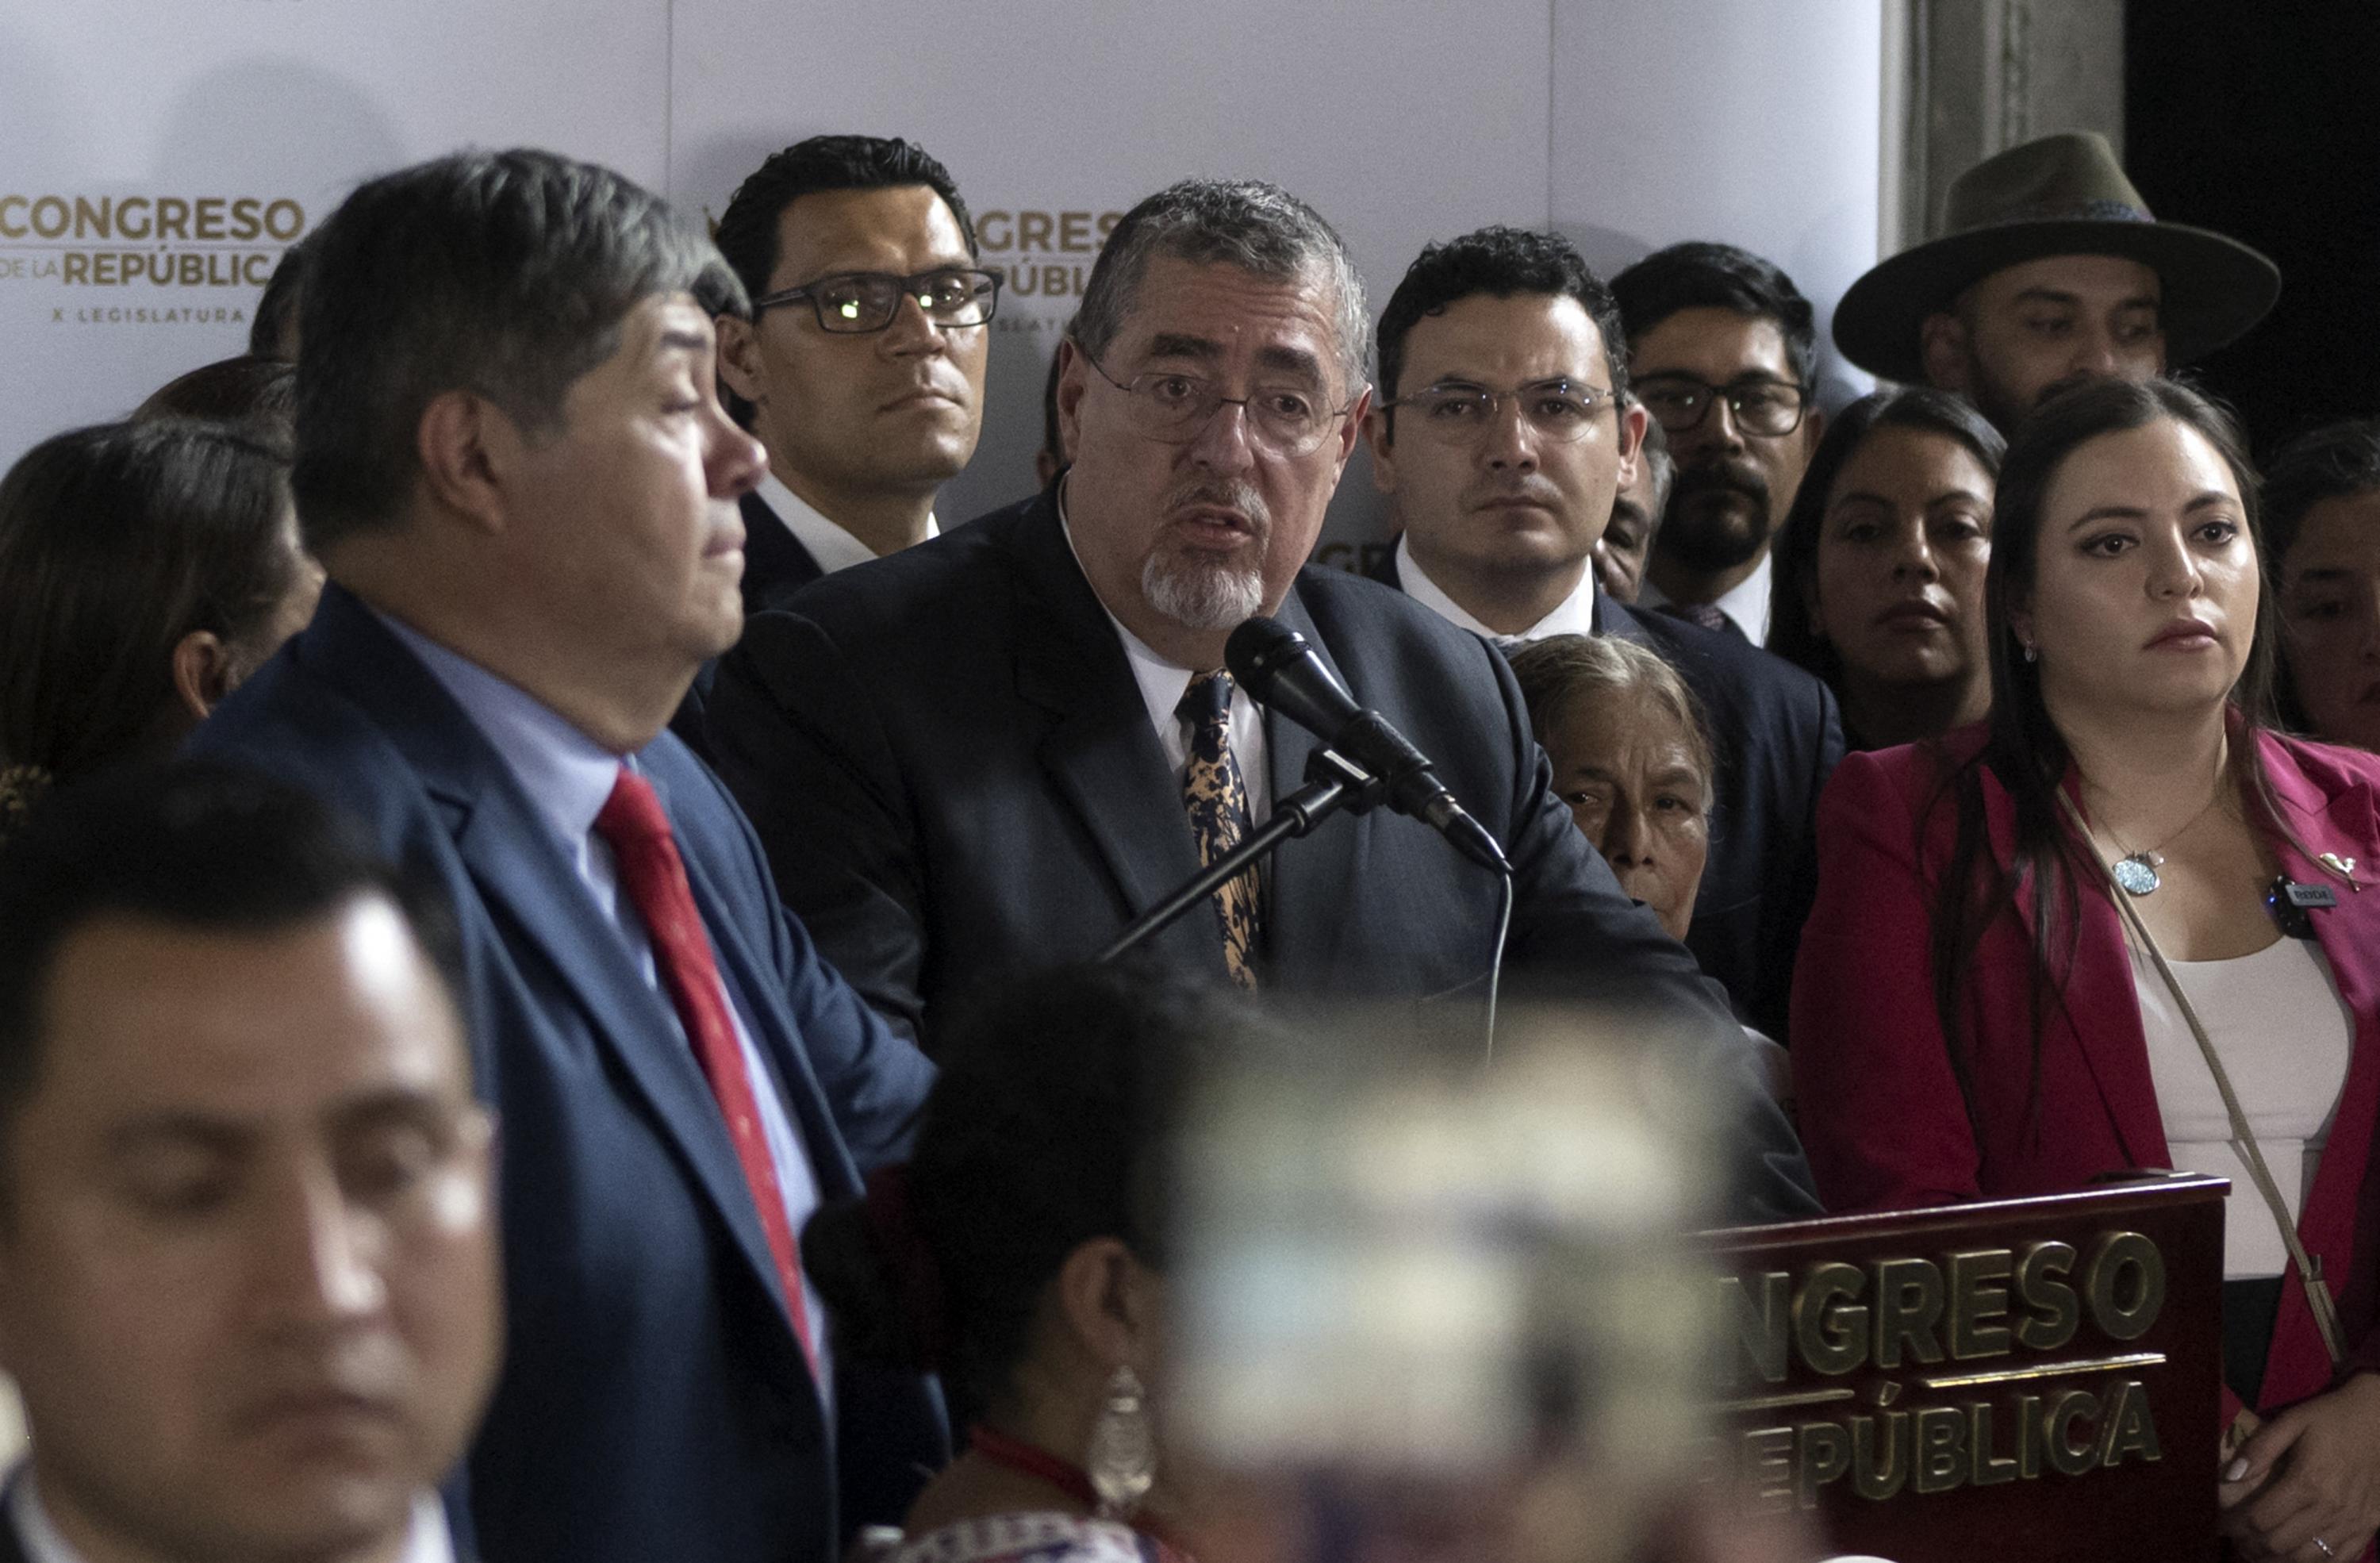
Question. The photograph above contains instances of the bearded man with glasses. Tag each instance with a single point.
(994, 751)
(1725, 352)
(1506, 430)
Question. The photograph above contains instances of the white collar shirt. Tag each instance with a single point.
(830, 547)
(427, 1541)
(1746, 604)
(1162, 684)
(1573, 614)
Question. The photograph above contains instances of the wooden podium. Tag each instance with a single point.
(2030, 1379)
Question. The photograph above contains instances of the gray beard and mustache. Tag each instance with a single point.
(1203, 593)
(1708, 538)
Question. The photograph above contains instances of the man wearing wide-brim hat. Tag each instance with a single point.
(2051, 272)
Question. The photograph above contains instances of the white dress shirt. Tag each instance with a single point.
(832, 547)
(2284, 1036)
(1747, 602)
(1162, 684)
(1573, 614)
(428, 1542)
(570, 776)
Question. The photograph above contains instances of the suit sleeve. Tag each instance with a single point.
(1881, 1110)
(1789, 895)
(798, 743)
(1578, 937)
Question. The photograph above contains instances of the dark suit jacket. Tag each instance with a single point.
(956, 778)
(1776, 734)
(654, 1401)
(776, 565)
(1889, 1127)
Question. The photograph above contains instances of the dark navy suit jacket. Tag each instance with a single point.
(954, 772)
(654, 1401)
(776, 565)
(1776, 735)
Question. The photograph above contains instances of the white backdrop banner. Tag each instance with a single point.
(155, 155)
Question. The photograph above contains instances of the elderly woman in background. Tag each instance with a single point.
(2038, 945)
(145, 570)
(1631, 757)
(2321, 519)
(1878, 582)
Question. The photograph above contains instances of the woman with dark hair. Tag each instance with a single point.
(145, 570)
(2322, 518)
(2046, 949)
(1021, 1254)
(1877, 584)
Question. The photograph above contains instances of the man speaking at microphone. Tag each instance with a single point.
(993, 751)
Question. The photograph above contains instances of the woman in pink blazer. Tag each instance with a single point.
(1971, 1019)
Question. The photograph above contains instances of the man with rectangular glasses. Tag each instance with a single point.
(995, 751)
(1504, 437)
(862, 366)
(1724, 350)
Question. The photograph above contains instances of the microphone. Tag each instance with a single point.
(1278, 670)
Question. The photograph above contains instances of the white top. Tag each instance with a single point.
(570, 776)
(1747, 602)
(1574, 615)
(428, 1542)
(2284, 1036)
(833, 548)
(1162, 684)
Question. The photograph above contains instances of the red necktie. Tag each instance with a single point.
(654, 876)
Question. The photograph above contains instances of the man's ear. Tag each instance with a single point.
(740, 368)
(1633, 421)
(1350, 427)
(203, 673)
(1384, 451)
(1073, 368)
(1943, 345)
(467, 443)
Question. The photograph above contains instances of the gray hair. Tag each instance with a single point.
(1560, 668)
(1258, 227)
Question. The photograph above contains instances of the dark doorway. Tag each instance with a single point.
(2256, 121)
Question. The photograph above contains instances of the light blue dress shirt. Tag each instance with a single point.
(570, 776)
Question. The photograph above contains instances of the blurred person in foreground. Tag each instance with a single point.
(1878, 584)
(2322, 521)
(1984, 1009)
(146, 570)
(513, 463)
(1022, 1253)
(248, 1251)
(1506, 435)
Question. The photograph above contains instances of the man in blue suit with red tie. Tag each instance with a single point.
(514, 467)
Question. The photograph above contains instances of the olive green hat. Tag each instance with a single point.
(2059, 195)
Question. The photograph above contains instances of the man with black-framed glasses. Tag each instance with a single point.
(861, 367)
(1724, 351)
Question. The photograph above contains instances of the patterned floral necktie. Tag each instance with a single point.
(1216, 800)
